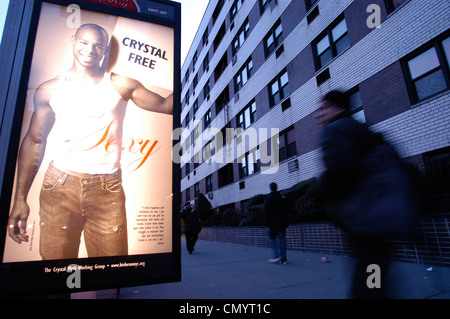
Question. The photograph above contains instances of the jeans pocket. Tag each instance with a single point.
(51, 181)
(113, 185)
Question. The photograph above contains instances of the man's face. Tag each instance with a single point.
(326, 112)
(89, 47)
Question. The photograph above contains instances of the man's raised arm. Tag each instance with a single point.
(134, 90)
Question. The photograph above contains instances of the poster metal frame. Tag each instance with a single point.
(29, 278)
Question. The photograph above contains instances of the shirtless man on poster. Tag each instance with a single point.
(82, 188)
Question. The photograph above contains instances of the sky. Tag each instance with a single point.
(191, 15)
(3, 10)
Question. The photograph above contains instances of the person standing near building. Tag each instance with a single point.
(277, 221)
(191, 226)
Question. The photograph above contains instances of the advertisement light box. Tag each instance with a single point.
(90, 192)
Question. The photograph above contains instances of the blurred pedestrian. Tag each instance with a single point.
(192, 226)
(277, 220)
(366, 189)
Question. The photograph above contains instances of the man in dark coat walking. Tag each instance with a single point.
(344, 143)
(277, 221)
(192, 226)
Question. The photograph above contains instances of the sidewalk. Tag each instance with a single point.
(219, 270)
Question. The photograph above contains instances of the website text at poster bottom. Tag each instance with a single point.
(73, 267)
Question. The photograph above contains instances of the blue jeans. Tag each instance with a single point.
(278, 252)
(71, 203)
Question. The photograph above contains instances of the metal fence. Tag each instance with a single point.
(431, 247)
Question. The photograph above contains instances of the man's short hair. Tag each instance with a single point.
(273, 187)
(338, 98)
(92, 26)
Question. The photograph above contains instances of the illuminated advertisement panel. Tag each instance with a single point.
(93, 186)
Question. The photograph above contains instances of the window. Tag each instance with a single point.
(195, 81)
(186, 76)
(273, 38)
(310, 3)
(197, 160)
(286, 144)
(279, 88)
(249, 163)
(195, 106)
(226, 175)
(217, 10)
(208, 151)
(247, 116)
(206, 62)
(243, 75)
(221, 137)
(286, 104)
(221, 66)
(187, 168)
(392, 5)
(188, 194)
(206, 89)
(209, 183)
(186, 97)
(428, 72)
(323, 76)
(312, 15)
(356, 108)
(437, 167)
(194, 58)
(187, 119)
(197, 131)
(263, 5)
(219, 36)
(196, 190)
(332, 43)
(222, 99)
(240, 37)
(207, 118)
(205, 37)
(235, 8)
(185, 148)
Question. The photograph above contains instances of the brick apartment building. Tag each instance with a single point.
(261, 64)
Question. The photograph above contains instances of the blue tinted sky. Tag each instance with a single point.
(3, 9)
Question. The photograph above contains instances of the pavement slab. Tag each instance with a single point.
(220, 270)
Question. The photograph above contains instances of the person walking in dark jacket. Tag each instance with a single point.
(277, 221)
(192, 226)
(344, 142)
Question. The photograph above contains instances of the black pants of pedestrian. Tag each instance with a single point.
(370, 252)
(191, 239)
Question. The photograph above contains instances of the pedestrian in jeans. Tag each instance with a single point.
(277, 221)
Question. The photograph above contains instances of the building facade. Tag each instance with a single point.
(263, 65)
